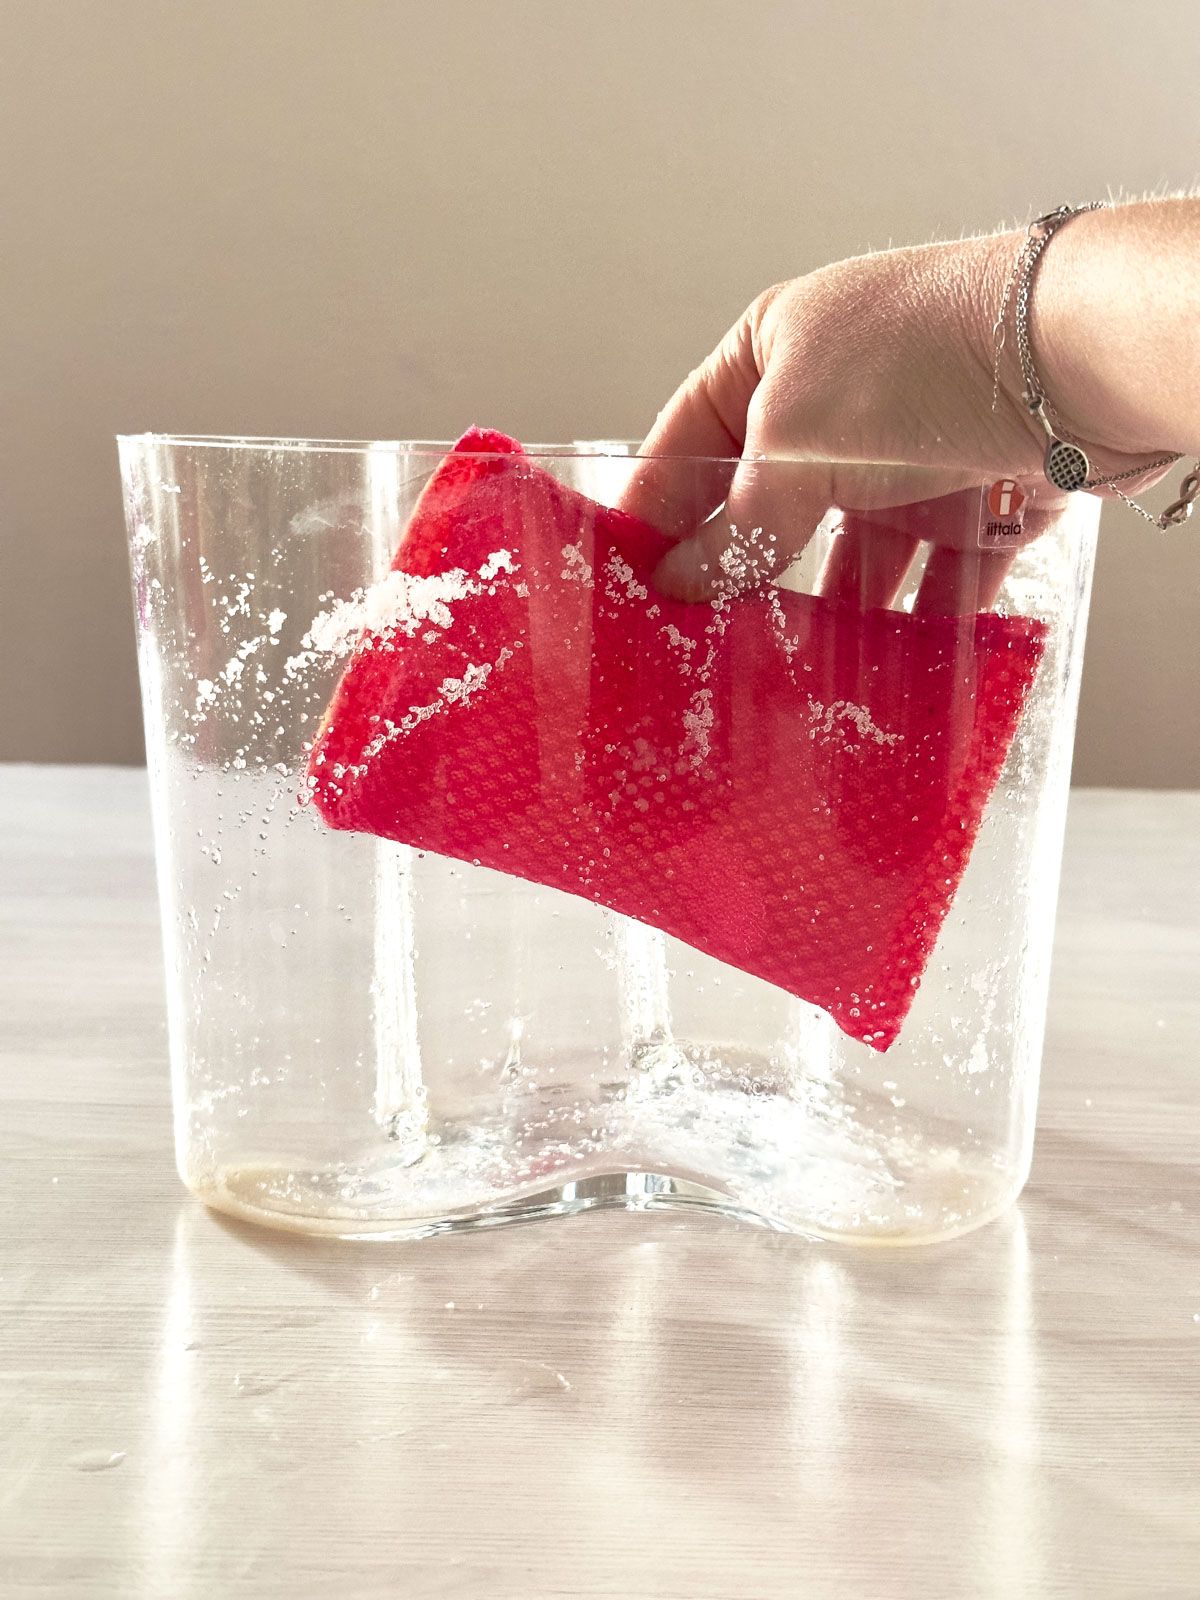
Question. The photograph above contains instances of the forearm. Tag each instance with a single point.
(1115, 326)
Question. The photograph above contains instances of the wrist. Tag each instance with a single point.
(993, 295)
(1065, 322)
(1108, 324)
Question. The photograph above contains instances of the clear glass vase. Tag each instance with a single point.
(520, 949)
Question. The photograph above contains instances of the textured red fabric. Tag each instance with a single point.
(792, 786)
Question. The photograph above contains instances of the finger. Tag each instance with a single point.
(719, 560)
(961, 577)
(771, 512)
(774, 507)
(957, 583)
(870, 559)
(865, 568)
(933, 507)
(705, 418)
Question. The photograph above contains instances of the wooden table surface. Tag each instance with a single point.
(658, 1407)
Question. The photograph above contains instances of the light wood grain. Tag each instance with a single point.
(654, 1406)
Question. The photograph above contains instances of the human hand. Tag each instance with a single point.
(881, 359)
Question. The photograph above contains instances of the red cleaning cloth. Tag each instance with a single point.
(787, 784)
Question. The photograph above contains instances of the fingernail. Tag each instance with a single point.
(680, 577)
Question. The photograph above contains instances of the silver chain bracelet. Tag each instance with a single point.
(1066, 464)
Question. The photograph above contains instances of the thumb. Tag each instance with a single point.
(687, 461)
(771, 512)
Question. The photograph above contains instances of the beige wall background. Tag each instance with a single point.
(378, 218)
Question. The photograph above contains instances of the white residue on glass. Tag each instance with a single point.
(622, 584)
(577, 569)
(698, 722)
(826, 716)
(450, 692)
(400, 603)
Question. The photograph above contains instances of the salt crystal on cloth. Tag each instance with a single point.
(782, 782)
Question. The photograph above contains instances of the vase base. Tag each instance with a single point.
(276, 1199)
(812, 1158)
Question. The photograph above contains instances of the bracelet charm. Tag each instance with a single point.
(1065, 465)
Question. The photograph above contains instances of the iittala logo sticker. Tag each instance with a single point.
(1001, 514)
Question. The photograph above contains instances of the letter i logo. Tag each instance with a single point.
(1005, 498)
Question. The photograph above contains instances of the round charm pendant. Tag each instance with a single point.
(1066, 466)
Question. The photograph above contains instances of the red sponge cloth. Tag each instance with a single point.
(789, 785)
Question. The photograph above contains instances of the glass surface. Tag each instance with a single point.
(372, 1039)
